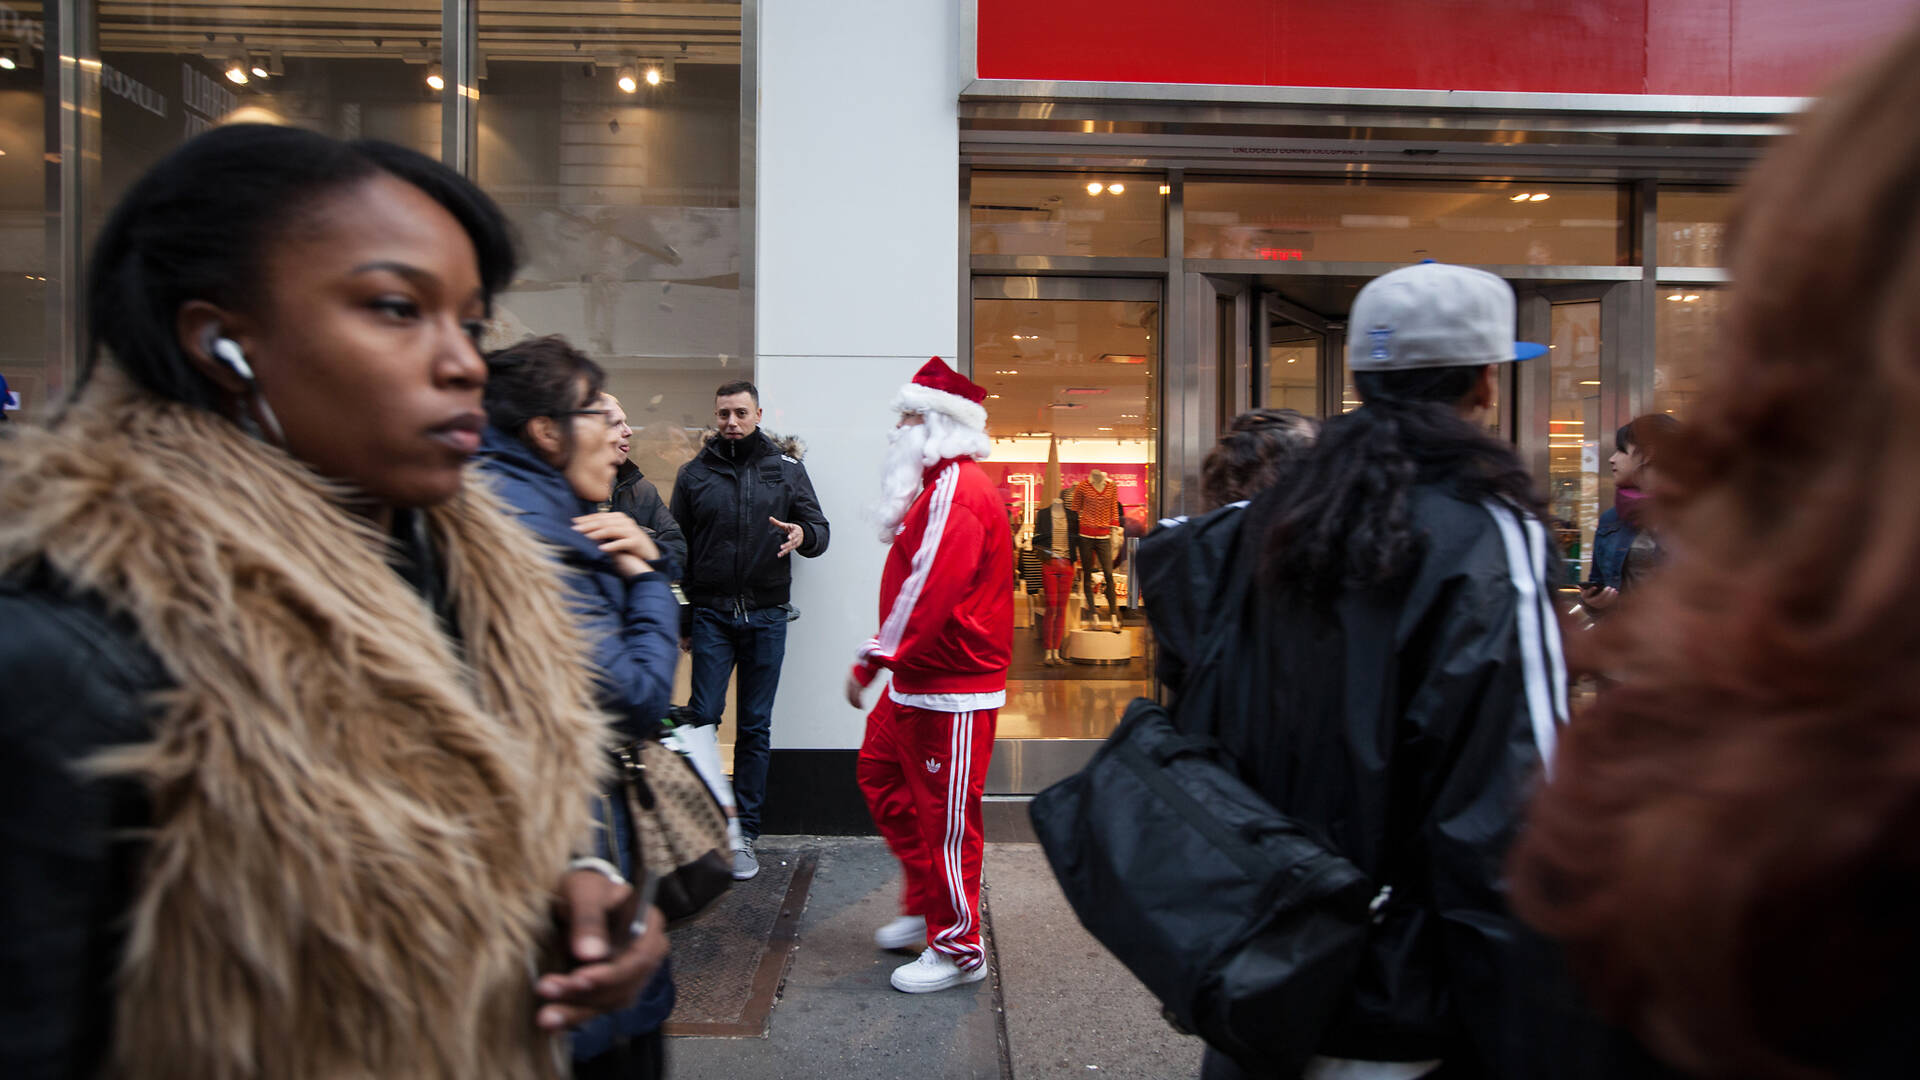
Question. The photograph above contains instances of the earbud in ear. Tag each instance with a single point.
(228, 350)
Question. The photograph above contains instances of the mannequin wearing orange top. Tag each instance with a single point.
(1097, 501)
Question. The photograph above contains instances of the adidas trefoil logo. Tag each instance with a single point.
(933, 765)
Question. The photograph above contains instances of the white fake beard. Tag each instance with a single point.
(900, 478)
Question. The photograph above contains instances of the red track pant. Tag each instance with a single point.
(1057, 578)
(923, 773)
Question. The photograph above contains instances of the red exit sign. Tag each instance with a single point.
(1283, 254)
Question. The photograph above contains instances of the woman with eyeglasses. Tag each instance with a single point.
(551, 449)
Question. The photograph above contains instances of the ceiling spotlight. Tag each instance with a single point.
(653, 76)
(1675, 296)
(629, 83)
(1166, 189)
(1539, 196)
(1094, 188)
(7, 62)
(1691, 297)
(1116, 188)
(1522, 197)
(237, 72)
(258, 65)
(434, 78)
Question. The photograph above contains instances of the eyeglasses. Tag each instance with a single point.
(605, 415)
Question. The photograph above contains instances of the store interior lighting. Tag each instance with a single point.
(629, 82)
(653, 76)
(258, 66)
(237, 71)
(7, 62)
(1116, 189)
(434, 78)
(1094, 188)
(1539, 196)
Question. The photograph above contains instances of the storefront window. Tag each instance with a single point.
(1686, 340)
(24, 263)
(1574, 438)
(1693, 226)
(1071, 391)
(171, 71)
(1109, 214)
(619, 163)
(1484, 223)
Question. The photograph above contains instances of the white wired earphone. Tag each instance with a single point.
(228, 352)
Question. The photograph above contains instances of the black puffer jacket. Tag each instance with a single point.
(635, 496)
(722, 500)
(1405, 725)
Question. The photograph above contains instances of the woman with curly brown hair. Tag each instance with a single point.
(1730, 845)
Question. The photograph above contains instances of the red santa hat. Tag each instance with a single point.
(939, 389)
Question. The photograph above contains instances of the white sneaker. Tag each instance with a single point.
(902, 933)
(934, 970)
(745, 866)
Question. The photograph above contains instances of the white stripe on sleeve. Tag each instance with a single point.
(896, 625)
(1528, 585)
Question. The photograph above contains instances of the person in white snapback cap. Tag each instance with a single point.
(1395, 685)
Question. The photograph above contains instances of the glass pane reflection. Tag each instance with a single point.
(1475, 222)
(24, 263)
(612, 139)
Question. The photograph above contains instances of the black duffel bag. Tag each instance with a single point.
(1247, 929)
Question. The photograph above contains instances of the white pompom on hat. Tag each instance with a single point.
(940, 389)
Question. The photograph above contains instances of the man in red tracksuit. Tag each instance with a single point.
(946, 633)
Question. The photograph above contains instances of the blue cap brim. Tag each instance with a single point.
(1527, 350)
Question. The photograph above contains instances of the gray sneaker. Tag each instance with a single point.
(744, 864)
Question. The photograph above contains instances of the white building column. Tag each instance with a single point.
(857, 275)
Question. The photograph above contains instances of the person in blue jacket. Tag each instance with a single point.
(1623, 526)
(551, 448)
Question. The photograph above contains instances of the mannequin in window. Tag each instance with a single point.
(1097, 500)
(1056, 532)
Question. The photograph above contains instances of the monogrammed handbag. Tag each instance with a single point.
(679, 828)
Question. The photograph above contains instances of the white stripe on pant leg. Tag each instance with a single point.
(947, 849)
(962, 782)
(958, 779)
(964, 787)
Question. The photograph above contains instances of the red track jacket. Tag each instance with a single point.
(946, 595)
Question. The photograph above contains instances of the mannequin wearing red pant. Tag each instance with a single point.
(923, 773)
(1057, 580)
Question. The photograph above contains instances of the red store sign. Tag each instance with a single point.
(1717, 48)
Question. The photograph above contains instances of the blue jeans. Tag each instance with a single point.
(755, 644)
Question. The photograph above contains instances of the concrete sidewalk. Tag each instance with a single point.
(1054, 1005)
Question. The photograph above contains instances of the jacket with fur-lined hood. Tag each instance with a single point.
(722, 500)
(286, 797)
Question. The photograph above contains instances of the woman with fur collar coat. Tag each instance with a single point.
(298, 739)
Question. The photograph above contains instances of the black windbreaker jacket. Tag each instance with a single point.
(722, 501)
(635, 496)
(1406, 725)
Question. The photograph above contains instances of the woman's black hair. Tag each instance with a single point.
(543, 376)
(1341, 518)
(1258, 446)
(198, 225)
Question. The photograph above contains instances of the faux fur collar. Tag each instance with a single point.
(357, 830)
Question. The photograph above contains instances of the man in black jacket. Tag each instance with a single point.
(745, 503)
